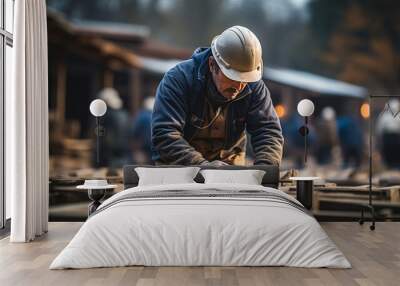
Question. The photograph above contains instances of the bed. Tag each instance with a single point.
(198, 224)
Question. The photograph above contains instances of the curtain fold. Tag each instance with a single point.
(27, 153)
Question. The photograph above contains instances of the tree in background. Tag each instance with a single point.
(123, 11)
(352, 40)
(359, 41)
(280, 26)
(194, 23)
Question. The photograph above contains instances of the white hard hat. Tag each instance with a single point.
(148, 103)
(238, 53)
(394, 105)
(111, 97)
(328, 113)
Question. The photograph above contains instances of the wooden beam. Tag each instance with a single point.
(135, 88)
(61, 86)
(108, 78)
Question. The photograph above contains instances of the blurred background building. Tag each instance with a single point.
(335, 53)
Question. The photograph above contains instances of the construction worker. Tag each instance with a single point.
(205, 105)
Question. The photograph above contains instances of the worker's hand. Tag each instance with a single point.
(215, 163)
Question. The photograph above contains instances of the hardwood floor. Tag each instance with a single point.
(375, 257)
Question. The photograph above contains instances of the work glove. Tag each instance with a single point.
(215, 163)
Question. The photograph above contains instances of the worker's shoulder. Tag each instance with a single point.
(182, 68)
(259, 87)
(182, 73)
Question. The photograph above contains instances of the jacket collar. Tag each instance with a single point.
(200, 57)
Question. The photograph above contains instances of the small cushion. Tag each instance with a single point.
(164, 176)
(247, 177)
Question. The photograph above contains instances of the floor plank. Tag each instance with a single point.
(375, 257)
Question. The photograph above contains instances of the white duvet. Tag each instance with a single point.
(207, 230)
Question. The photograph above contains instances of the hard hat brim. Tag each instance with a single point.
(235, 75)
(251, 76)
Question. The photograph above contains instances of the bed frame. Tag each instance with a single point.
(270, 179)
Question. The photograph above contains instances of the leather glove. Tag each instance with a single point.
(215, 163)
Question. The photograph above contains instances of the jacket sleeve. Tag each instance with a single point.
(168, 121)
(264, 128)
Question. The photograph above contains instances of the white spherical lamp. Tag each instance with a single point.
(305, 107)
(98, 107)
(328, 113)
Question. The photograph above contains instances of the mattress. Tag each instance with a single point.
(201, 225)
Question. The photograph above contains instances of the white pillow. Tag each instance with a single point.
(248, 177)
(166, 176)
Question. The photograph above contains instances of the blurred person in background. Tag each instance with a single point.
(388, 133)
(141, 133)
(351, 138)
(327, 135)
(294, 141)
(114, 144)
(205, 105)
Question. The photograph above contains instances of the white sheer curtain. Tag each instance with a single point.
(27, 122)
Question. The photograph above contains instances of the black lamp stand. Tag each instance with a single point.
(369, 207)
(304, 132)
(99, 131)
